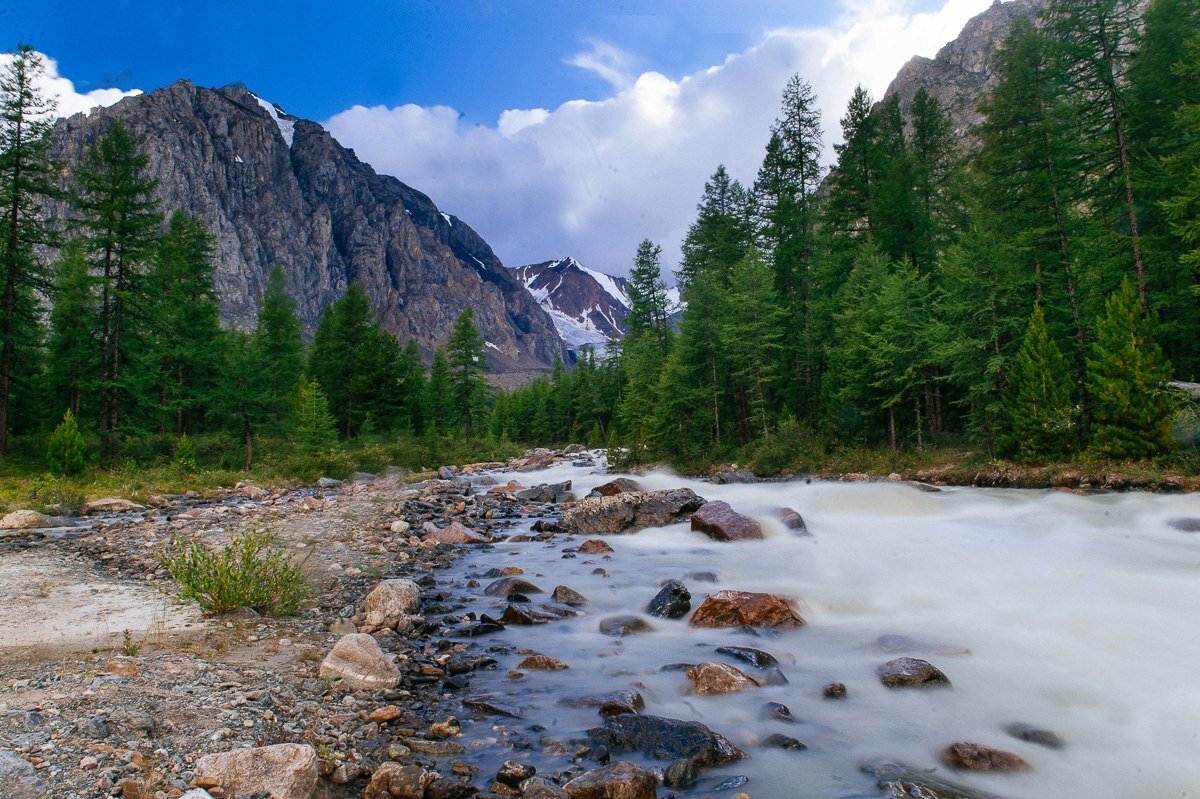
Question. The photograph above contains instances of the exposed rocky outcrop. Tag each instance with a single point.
(276, 189)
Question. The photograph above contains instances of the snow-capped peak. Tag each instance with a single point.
(287, 128)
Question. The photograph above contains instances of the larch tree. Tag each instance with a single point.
(467, 361)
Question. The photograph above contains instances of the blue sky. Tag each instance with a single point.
(553, 128)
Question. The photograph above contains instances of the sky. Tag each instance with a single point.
(553, 128)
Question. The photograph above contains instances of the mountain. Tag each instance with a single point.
(588, 307)
(277, 189)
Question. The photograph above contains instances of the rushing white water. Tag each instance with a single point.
(1079, 614)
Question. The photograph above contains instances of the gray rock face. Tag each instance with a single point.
(325, 217)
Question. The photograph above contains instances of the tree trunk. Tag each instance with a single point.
(892, 427)
(249, 436)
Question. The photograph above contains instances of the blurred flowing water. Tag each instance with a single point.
(1078, 614)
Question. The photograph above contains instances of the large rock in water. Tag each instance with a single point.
(455, 533)
(620, 780)
(970, 756)
(719, 678)
(900, 782)
(667, 739)
(278, 190)
(630, 511)
(720, 522)
(358, 662)
(737, 608)
(283, 771)
(911, 673)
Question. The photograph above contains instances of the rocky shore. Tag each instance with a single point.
(388, 683)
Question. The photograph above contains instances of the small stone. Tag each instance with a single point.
(400, 527)
(358, 662)
(568, 596)
(779, 741)
(755, 657)
(1036, 735)
(385, 714)
(542, 663)
(595, 547)
(511, 585)
(720, 522)
(719, 678)
(680, 774)
(911, 673)
(834, 690)
(793, 521)
(283, 771)
(672, 602)
(977, 757)
(744, 608)
(393, 599)
(445, 729)
(621, 626)
(514, 772)
(394, 781)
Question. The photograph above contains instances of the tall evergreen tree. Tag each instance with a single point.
(1040, 406)
(27, 177)
(467, 360)
(751, 337)
(73, 359)
(244, 393)
(315, 426)
(333, 358)
(438, 404)
(281, 345)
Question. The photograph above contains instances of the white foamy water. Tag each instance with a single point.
(1079, 614)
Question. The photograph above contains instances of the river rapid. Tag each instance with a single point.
(1077, 614)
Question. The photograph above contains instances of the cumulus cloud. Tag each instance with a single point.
(592, 178)
(69, 101)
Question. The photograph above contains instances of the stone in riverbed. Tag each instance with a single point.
(672, 602)
(18, 778)
(755, 657)
(1035, 735)
(613, 703)
(594, 547)
(391, 600)
(400, 526)
(911, 673)
(620, 780)
(901, 782)
(394, 781)
(358, 662)
(970, 756)
(778, 711)
(32, 520)
(523, 614)
(456, 533)
(719, 678)
(834, 690)
(445, 473)
(1185, 525)
(778, 740)
(111, 505)
(282, 771)
(541, 788)
(738, 608)
(680, 774)
(629, 512)
(793, 521)
(542, 663)
(667, 739)
(622, 485)
(546, 492)
(568, 596)
(487, 704)
(720, 522)
(621, 626)
(737, 476)
(511, 585)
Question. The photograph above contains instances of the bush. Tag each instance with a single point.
(67, 451)
(58, 497)
(185, 454)
(250, 572)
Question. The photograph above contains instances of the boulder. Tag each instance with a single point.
(718, 678)
(738, 608)
(735, 476)
(282, 771)
(793, 521)
(545, 492)
(394, 781)
(621, 626)
(455, 533)
(511, 585)
(911, 673)
(358, 662)
(391, 600)
(32, 520)
(666, 739)
(568, 596)
(630, 511)
(970, 756)
(613, 703)
(619, 780)
(594, 546)
(621, 485)
(720, 522)
(542, 663)
(18, 778)
(445, 473)
(111, 505)
(672, 602)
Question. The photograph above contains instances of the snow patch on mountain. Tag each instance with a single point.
(287, 128)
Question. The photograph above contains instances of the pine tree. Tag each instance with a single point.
(467, 361)
(1040, 408)
(27, 177)
(722, 231)
(1127, 374)
(333, 357)
(245, 394)
(438, 404)
(933, 154)
(315, 427)
(411, 374)
(647, 294)
(66, 454)
(72, 355)
(119, 216)
(282, 348)
(750, 336)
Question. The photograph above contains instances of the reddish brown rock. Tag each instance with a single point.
(568, 596)
(793, 521)
(911, 673)
(394, 781)
(737, 608)
(719, 678)
(542, 663)
(977, 757)
(619, 486)
(455, 533)
(594, 547)
(720, 522)
(620, 780)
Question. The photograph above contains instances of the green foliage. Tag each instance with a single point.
(467, 362)
(185, 454)
(279, 344)
(66, 454)
(1127, 375)
(315, 427)
(1041, 413)
(250, 572)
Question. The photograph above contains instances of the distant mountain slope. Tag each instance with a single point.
(276, 189)
(588, 307)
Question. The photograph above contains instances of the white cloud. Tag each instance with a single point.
(69, 101)
(592, 178)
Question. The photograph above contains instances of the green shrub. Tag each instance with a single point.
(57, 497)
(185, 454)
(67, 451)
(250, 572)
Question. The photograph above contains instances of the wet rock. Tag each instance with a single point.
(630, 511)
(738, 608)
(977, 757)
(511, 585)
(737, 476)
(450, 789)
(622, 485)
(672, 602)
(282, 771)
(487, 704)
(18, 778)
(620, 780)
(719, 678)
(755, 657)
(111, 505)
(435, 748)
(680, 774)
(793, 521)
(911, 673)
(594, 546)
(391, 600)
(514, 772)
(456, 533)
(32, 520)
(358, 662)
(447, 728)
(546, 492)
(720, 522)
(780, 741)
(778, 711)
(613, 703)
(542, 663)
(621, 626)
(394, 781)
(901, 782)
(703, 577)
(568, 596)
(667, 739)
(525, 615)
(1036, 735)
(1185, 525)
(445, 473)
(732, 783)
(541, 788)
(834, 690)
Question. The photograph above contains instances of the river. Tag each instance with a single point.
(1077, 614)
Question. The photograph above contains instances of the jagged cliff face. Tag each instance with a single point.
(963, 72)
(276, 189)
